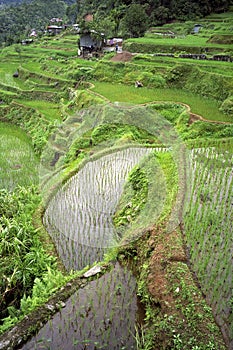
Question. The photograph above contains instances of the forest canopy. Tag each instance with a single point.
(128, 18)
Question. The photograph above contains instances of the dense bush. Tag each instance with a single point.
(200, 130)
(22, 255)
(32, 122)
(227, 106)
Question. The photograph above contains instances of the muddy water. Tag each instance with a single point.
(102, 315)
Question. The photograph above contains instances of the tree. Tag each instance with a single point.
(115, 16)
(135, 21)
(161, 15)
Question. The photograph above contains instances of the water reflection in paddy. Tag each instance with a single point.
(79, 217)
(102, 315)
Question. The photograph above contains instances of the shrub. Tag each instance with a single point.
(227, 106)
(202, 83)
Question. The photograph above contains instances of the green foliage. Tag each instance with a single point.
(149, 79)
(179, 74)
(82, 99)
(18, 163)
(138, 182)
(30, 120)
(204, 130)
(206, 84)
(29, 273)
(108, 135)
(128, 73)
(43, 287)
(121, 17)
(170, 296)
(221, 39)
(117, 131)
(158, 12)
(208, 108)
(227, 106)
(148, 44)
(36, 14)
(207, 224)
(22, 256)
(135, 21)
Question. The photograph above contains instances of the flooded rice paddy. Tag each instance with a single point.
(209, 229)
(101, 315)
(79, 217)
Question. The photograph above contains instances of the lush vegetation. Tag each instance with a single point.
(76, 110)
(122, 17)
(19, 165)
(210, 206)
(35, 14)
(163, 259)
(23, 257)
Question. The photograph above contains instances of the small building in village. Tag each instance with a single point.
(53, 29)
(55, 26)
(91, 41)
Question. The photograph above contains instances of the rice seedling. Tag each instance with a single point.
(209, 222)
(101, 327)
(82, 210)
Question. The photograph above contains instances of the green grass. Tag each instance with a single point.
(41, 70)
(50, 110)
(7, 69)
(168, 62)
(186, 41)
(18, 163)
(207, 108)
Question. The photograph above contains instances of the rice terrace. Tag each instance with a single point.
(116, 201)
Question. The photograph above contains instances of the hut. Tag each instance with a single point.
(91, 41)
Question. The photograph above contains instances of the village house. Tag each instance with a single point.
(55, 26)
(54, 29)
(91, 41)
